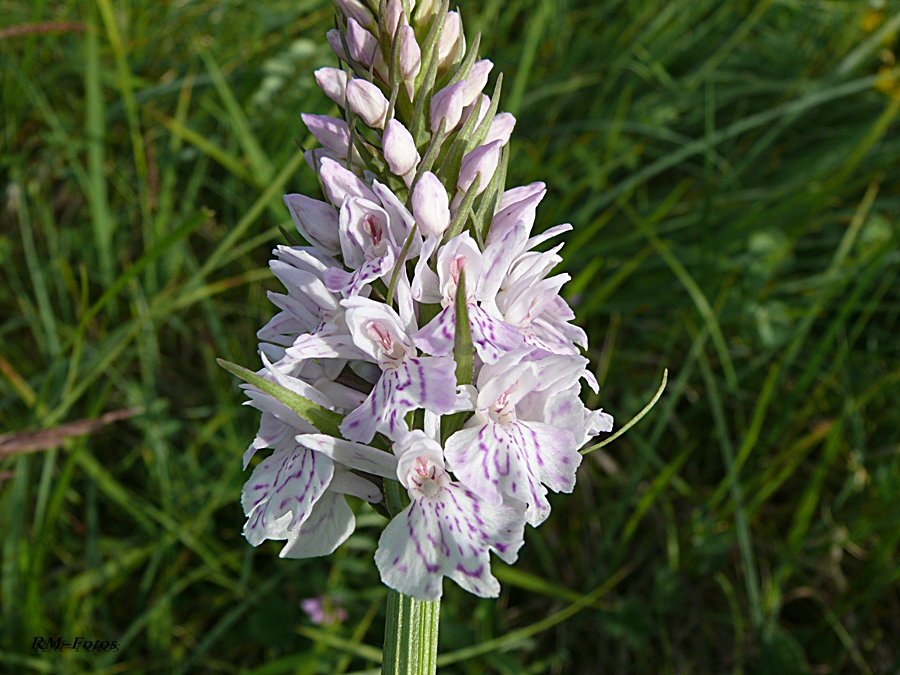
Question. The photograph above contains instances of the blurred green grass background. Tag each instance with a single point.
(730, 169)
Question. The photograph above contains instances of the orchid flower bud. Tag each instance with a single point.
(314, 157)
(367, 101)
(500, 129)
(451, 37)
(331, 132)
(517, 205)
(317, 221)
(410, 58)
(423, 11)
(341, 184)
(364, 48)
(334, 41)
(476, 80)
(482, 161)
(482, 110)
(394, 10)
(357, 11)
(430, 205)
(447, 105)
(399, 148)
(333, 82)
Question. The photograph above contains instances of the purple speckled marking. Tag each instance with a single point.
(400, 389)
(300, 475)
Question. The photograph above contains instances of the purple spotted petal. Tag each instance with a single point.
(324, 347)
(424, 382)
(492, 460)
(437, 337)
(286, 483)
(351, 283)
(271, 430)
(492, 337)
(327, 527)
(514, 459)
(352, 455)
(451, 535)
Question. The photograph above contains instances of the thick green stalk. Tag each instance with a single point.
(410, 635)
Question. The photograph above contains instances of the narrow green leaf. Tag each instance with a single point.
(650, 497)
(463, 354)
(481, 221)
(321, 418)
(637, 418)
(94, 127)
(208, 148)
(428, 158)
(430, 44)
(448, 173)
(259, 161)
(742, 527)
(401, 260)
(363, 651)
(466, 66)
(463, 351)
(179, 233)
(421, 117)
(482, 131)
(537, 22)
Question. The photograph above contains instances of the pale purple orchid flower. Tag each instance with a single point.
(394, 10)
(334, 41)
(501, 128)
(368, 244)
(407, 381)
(491, 336)
(324, 611)
(447, 106)
(475, 81)
(498, 454)
(431, 205)
(347, 335)
(332, 133)
(296, 493)
(340, 183)
(358, 12)
(308, 307)
(447, 529)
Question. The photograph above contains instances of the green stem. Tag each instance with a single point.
(410, 636)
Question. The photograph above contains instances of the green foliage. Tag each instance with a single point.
(730, 169)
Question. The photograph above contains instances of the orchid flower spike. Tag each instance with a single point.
(421, 347)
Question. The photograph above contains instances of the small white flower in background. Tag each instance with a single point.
(415, 239)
